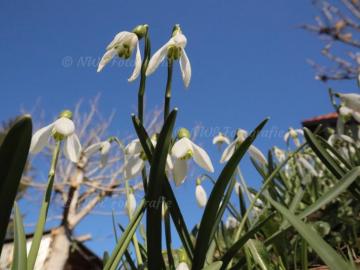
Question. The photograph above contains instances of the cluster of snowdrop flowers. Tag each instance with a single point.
(174, 49)
(62, 129)
(183, 150)
(254, 152)
(123, 45)
(200, 194)
(294, 135)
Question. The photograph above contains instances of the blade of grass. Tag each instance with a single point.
(125, 238)
(13, 155)
(323, 249)
(19, 258)
(206, 231)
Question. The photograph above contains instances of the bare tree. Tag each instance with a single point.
(338, 26)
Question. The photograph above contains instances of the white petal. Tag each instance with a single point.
(106, 59)
(356, 116)
(231, 223)
(40, 139)
(156, 59)
(202, 158)
(134, 147)
(185, 68)
(351, 100)
(105, 147)
(72, 148)
(228, 152)
(130, 204)
(307, 166)
(201, 196)
(169, 163)
(64, 126)
(118, 39)
(345, 111)
(137, 68)
(286, 136)
(256, 154)
(181, 148)
(133, 167)
(92, 149)
(180, 171)
(220, 139)
(182, 266)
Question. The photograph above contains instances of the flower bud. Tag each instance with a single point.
(141, 30)
(66, 113)
(183, 133)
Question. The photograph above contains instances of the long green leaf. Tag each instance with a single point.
(323, 249)
(19, 258)
(213, 266)
(13, 154)
(205, 234)
(323, 155)
(125, 238)
(154, 194)
(175, 211)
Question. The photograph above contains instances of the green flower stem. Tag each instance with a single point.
(135, 241)
(44, 209)
(144, 66)
(168, 89)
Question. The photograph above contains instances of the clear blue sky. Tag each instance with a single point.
(248, 59)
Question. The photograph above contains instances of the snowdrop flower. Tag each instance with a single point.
(306, 164)
(221, 139)
(182, 266)
(61, 129)
(279, 154)
(130, 204)
(183, 150)
(350, 106)
(102, 147)
(231, 223)
(135, 158)
(254, 152)
(123, 45)
(294, 134)
(200, 194)
(174, 49)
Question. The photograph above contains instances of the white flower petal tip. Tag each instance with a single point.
(220, 139)
(102, 147)
(72, 148)
(180, 171)
(202, 158)
(182, 266)
(40, 139)
(130, 204)
(185, 68)
(201, 196)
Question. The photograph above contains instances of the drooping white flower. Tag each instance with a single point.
(102, 147)
(173, 49)
(221, 139)
(279, 154)
(231, 223)
(201, 196)
(254, 152)
(294, 134)
(123, 45)
(306, 164)
(135, 158)
(61, 129)
(183, 150)
(351, 101)
(130, 204)
(182, 266)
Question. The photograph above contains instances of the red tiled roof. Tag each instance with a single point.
(324, 117)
